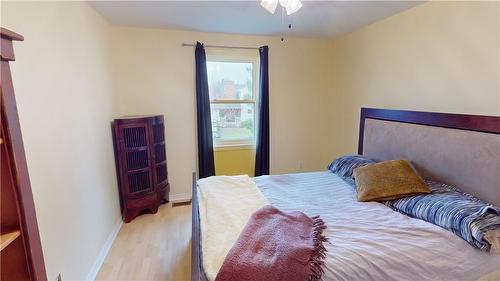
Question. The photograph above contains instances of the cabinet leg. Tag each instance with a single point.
(130, 215)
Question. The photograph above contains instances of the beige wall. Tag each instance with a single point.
(231, 162)
(155, 75)
(438, 56)
(66, 100)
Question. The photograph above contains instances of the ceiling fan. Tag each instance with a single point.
(291, 6)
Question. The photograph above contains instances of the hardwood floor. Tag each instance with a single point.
(152, 247)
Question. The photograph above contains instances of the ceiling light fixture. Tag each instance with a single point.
(291, 6)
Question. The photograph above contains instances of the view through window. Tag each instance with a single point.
(232, 102)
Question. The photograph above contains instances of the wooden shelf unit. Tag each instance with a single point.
(21, 256)
(9, 237)
(141, 162)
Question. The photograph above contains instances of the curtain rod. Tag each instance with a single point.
(223, 47)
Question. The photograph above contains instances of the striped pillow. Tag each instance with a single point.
(453, 210)
(345, 165)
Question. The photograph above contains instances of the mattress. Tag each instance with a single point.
(370, 241)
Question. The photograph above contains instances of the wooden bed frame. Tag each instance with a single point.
(478, 123)
(485, 124)
(196, 264)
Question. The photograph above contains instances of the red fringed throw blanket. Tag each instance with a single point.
(277, 246)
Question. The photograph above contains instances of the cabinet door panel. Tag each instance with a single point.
(136, 163)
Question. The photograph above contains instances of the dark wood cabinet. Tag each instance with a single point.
(141, 163)
(21, 256)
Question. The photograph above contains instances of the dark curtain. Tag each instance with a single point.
(206, 164)
(262, 152)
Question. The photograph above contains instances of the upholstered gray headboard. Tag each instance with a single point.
(462, 150)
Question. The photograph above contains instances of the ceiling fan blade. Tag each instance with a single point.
(269, 5)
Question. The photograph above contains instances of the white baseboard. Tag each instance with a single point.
(104, 251)
(180, 197)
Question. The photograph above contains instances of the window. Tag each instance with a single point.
(233, 100)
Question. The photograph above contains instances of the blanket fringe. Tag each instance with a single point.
(318, 254)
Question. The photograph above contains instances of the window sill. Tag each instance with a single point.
(234, 147)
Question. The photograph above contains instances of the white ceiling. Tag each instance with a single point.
(315, 19)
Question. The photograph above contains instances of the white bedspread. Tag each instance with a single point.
(226, 204)
(369, 241)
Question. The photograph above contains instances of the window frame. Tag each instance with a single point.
(238, 57)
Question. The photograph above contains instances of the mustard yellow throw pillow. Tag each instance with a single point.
(388, 180)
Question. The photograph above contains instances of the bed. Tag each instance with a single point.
(370, 240)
